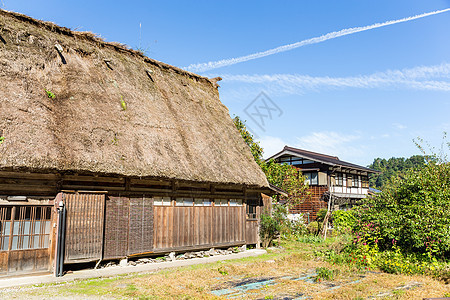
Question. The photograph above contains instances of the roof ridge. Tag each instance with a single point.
(311, 152)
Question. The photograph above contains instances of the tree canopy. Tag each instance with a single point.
(392, 167)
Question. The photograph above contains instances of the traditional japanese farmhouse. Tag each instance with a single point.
(326, 176)
(107, 154)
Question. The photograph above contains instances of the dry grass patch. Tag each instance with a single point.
(287, 272)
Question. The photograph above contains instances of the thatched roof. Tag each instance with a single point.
(115, 111)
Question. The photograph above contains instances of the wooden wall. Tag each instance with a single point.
(84, 227)
(311, 203)
(178, 228)
(128, 226)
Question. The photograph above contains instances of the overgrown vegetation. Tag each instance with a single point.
(406, 228)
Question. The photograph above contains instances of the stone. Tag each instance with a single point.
(123, 262)
(171, 256)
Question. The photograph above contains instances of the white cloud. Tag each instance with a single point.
(332, 35)
(399, 126)
(418, 78)
(271, 145)
(331, 143)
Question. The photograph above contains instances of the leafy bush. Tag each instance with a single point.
(313, 228)
(343, 221)
(412, 213)
(324, 273)
(278, 224)
(269, 229)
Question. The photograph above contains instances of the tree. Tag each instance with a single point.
(394, 166)
(255, 148)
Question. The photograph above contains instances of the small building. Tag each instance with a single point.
(139, 156)
(326, 176)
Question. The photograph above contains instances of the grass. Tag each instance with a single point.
(295, 259)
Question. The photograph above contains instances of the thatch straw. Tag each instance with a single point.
(115, 111)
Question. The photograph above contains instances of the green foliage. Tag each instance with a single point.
(324, 273)
(313, 227)
(255, 148)
(50, 94)
(278, 224)
(287, 178)
(123, 104)
(412, 212)
(393, 167)
(2, 139)
(343, 220)
(222, 271)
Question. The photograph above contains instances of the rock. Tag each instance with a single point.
(123, 262)
(243, 248)
(212, 251)
(133, 263)
(171, 256)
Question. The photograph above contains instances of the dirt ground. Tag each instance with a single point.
(283, 273)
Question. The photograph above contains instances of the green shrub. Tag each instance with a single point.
(343, 221)
(412, 213)
(313, 227)
(324, 273)
(269, 229)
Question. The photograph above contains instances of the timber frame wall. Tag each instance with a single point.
(311, 203)
(110, 217)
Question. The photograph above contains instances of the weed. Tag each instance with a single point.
(222, 271)
(323, 273)
(115, 140)
(2, 139)
(123, 103)
(50, 94)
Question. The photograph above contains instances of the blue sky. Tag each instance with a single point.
(359, 96)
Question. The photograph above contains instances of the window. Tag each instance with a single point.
(184, 202)
(162, 201)
(252, 204)
(5, 215)
(221, 202)
(339, 179)
(25, 227)
(365, 181)
(311, 178)
(202, 202)
(235, 202)
(355, 181)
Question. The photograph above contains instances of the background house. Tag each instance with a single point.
(143, 156)
(326, 175)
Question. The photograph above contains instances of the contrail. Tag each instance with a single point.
(419, 78)
(332, 35)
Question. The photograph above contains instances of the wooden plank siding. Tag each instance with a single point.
(84, 227)
(197, 226)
